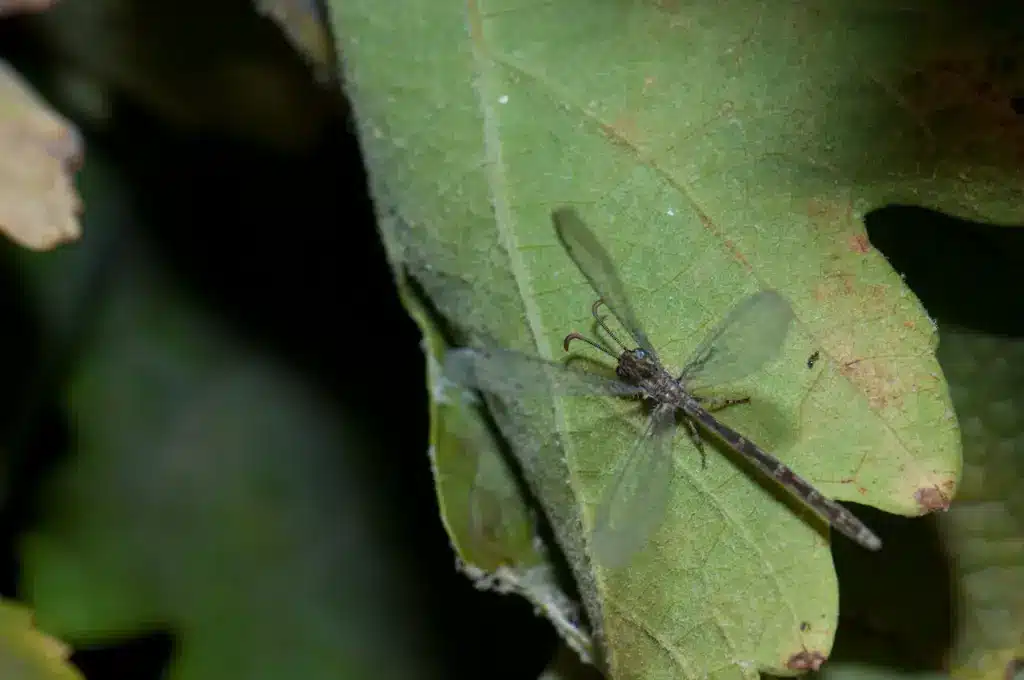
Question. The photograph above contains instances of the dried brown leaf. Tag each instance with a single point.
(39, 151)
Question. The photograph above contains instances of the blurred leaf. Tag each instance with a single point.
(213, 493)
(39, 151)
(854, 671)
(27, 654)
(12, 7)
(305, 28)
(215, 67)
(985, 527)
(716, 150)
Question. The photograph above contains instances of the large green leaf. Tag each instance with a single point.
(716, 149)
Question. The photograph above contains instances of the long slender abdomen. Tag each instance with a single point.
(835, 514)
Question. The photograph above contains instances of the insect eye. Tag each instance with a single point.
(640, 353)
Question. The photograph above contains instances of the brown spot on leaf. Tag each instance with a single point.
(736, 252)
(859, 244)
(1013, 668)
(878, 293)
(931, 499)
(710, 225)
(833, 286)
(806, 660)
(877, 383)
(623, 133)
(828, 215)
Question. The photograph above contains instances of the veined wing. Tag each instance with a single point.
(750, 336)
(633, 503)
(511, 374)
(593, 260)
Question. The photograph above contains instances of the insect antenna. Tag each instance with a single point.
(603, 325)
(593, 343)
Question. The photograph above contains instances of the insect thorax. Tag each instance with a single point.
(638, 367)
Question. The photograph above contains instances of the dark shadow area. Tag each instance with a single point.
(965, 273)
(19, 472)
(896, 604)
(144, 656)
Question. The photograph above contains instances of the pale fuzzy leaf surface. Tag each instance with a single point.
(715, 150)
(985, 527)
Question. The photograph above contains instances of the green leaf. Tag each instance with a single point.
(483, 504)
(715, 151)
(985, 527)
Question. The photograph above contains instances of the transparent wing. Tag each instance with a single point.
(512, 374)
(750, 336)
(597, 267)
(633, 503)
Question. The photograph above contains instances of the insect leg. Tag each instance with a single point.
(713, 404)
(691, 429)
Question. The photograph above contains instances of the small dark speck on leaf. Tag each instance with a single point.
(804, 626)
(813, 359)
